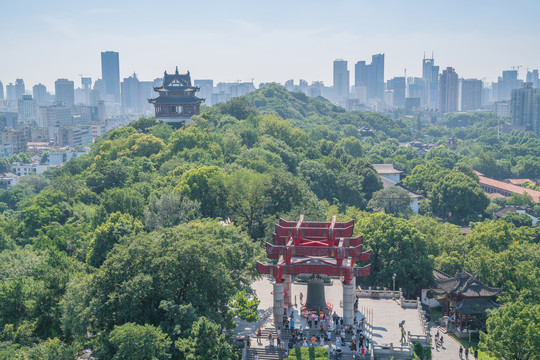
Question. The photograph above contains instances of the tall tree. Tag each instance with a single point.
(513, 332)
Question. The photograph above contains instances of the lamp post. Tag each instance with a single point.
(394, 286)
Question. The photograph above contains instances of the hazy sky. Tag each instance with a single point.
(229, 40)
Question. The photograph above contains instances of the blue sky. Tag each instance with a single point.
(264, 40)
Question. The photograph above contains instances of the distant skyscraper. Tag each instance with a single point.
(471, 94)
(506, 84)
(376, 79)
(1, 91)
(110, 72)
(100, 89)
(40, 94)
(532, 77)
(397, 85)
(207, 88)
(27, 108)
(19, 88)
(341, 81)
(131, 95)
(448, 91)
(525, 107)
(65, 92)
(370, 77)
(430, 74)
(11, 93)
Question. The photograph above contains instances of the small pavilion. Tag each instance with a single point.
(463, 296)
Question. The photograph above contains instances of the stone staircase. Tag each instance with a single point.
(267, 353)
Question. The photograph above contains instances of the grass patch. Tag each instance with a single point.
(308, 353)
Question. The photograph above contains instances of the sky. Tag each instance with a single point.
(264, 41)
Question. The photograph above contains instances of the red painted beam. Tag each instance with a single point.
(326, 269)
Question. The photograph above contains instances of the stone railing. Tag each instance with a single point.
(389, 351)
(411, 304)
(382, 294)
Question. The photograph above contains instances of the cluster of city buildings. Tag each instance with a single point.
(76, 116)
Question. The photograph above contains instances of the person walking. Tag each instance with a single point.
(301, 298)
(476, 354)
(256, 357)
(259, 332)
(460, 351)
(466, 353)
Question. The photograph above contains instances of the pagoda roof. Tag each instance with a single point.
(463, 283)
(182, 99)
(475, 306)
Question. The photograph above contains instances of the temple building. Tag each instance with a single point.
(463, 296)
(176, 101)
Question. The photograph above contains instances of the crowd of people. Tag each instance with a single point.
(328, 326)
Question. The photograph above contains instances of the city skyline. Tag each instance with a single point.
(264, 42)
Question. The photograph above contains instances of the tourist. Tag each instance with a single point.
(460, 351)
(270, 339)
(338, 353)
(278, 341)
(271, 343)
(313, 340)
(328, 335)
(304, 344)
(321, 340)
(259, 332)
(466, 353)
(476, 354)
(441, 341)
(292, 324)
(256, 357)
(353, 345)
(301, 298)
(338, 341)
(249, 342)
(300, 331)
(316, 319)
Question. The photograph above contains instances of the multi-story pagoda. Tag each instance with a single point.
(176, 101)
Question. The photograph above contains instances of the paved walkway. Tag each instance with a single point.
(387, 314)
(450, 348)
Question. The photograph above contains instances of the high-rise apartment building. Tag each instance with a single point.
(505, 84)
(19, 88)
(65, 92)
(207, 88)
(1, 91)
(525, 107)
(11, 94)
(369, 78)
(448, 91)
(471, 94)
(341, 81)
(430, 74)
(376, 80)
(131, 95)
(110, 72)
(39, 92)
(27, 108)
(532, 77)
(397, 85)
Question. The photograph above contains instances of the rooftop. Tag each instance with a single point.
(485, 181)
(386, 169)
(463, 283)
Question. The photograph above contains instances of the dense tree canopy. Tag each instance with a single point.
(155, 232)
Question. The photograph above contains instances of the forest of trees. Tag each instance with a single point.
(122, 249)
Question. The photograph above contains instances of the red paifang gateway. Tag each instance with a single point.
(305, 247)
